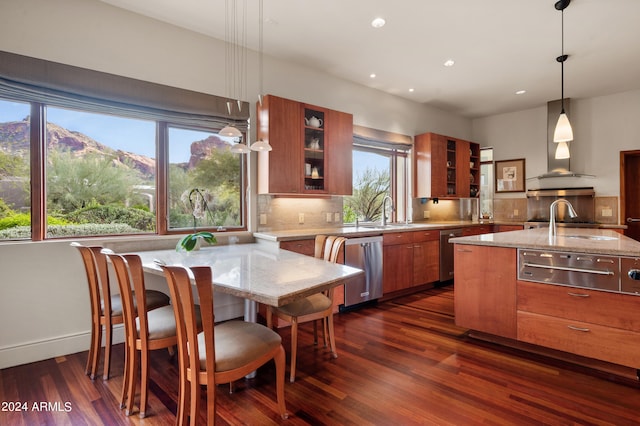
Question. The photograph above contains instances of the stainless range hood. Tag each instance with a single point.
(557, 167)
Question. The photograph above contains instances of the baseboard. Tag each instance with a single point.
(25, 353)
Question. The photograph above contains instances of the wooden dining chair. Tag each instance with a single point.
(145, 330)
(221, 353)
(106, 309)
(316, 307)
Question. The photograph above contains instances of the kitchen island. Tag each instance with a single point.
(514, 286)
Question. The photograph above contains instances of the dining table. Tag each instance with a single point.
(257, 272)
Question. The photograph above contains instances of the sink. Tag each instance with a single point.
(591, 237)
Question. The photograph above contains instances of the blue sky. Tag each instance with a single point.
(132, 135)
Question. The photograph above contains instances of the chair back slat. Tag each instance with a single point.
(126, 296)
(319, 246)
(204, 278)
(102, 270)
(92, 277)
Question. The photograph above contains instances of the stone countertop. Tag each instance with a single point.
(579, 240)
(258, 272)
(364, 230)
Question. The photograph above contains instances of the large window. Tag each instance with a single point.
(378, 171)
(205, 180)
(83, 153)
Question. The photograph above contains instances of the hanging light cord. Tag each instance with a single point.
(562, 59)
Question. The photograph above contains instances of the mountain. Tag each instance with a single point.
(15, 139)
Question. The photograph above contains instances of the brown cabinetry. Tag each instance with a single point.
(585, 322)
(507, 228)
(485, 289)
(311, 149)
(477, 230)
(446, 167)
(409, 259)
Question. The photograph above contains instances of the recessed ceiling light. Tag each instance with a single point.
(378, 23)
(411, 90)
(521, 92)
(449, 63)
(372, 75)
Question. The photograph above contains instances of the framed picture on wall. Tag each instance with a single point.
(510, 175)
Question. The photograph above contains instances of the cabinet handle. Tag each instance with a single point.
(578, 294)
(464, 251)
(598, 260)
(573, 327)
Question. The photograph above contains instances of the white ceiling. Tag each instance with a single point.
(499, 46)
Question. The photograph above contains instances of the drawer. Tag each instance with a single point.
(592, 306)
(300, 246)
(392, 238)
(422, 236)
(477, 230)
(590, 340)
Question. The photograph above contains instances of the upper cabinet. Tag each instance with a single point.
(311, 149)
(445, 167)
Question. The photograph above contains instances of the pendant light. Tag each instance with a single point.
(260, 145)
(235, 66)
(563, 132)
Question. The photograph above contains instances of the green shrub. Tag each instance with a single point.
(138, 219)
(24, 232)
(5, 210)
(24, 219)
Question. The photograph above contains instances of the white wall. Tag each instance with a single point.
(44, 310)
(602, 126)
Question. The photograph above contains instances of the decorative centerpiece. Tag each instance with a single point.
(199, 207)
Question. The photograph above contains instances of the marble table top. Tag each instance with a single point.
(580, 240)
(258, 272)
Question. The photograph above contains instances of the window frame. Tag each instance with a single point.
(43, 83)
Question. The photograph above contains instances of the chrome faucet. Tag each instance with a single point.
(384, 209)
(552, 215)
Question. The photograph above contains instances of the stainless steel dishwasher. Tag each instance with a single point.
(364, 253)
(446, 253)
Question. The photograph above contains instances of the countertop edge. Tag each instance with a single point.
(565, 240)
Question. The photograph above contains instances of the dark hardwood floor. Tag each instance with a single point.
(402, 362)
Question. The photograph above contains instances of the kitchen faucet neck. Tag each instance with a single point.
(384, 209)
(553, 208)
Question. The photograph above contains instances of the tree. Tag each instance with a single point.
(368, 194)
(76, 182)
(219, 174)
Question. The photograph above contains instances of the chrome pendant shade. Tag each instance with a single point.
(563, 132)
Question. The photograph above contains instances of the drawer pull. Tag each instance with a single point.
(598, 260)
(573, 327)
(464, 251)
(578, 294)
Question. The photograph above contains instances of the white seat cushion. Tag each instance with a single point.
(237, 343)
(309, 305)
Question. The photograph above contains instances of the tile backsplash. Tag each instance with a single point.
(282, 213)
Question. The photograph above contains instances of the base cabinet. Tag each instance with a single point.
(485, 289)
(410, 259)
(595, 324)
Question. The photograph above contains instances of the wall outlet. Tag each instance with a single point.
(337, 217)
(263, 219)
(300, 218)
(426, 214)
(328, 217)
(607, 212)
(515, 212)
